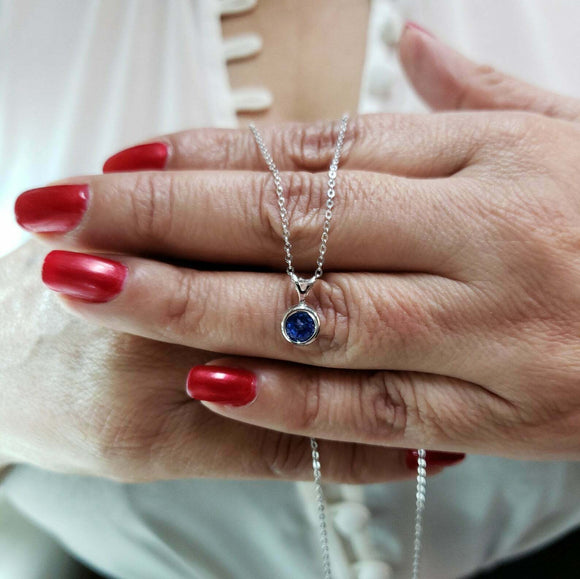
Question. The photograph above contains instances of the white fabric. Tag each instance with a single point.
(80, 80)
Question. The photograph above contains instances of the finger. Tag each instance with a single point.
(449, 80)
(403, 322)
(407, 145)
(201, 444)
(395, 409)
(148, 430)
(234, 217)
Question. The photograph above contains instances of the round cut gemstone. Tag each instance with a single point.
(300, 326)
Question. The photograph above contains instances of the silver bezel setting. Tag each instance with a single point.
(301, 308)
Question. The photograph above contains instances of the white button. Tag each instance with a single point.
(227, 7)
(391, 28)
(372, 570)
(349, 517)
(382, 78)
(242, 46)
(252, 99)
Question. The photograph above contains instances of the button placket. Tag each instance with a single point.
(355, 519)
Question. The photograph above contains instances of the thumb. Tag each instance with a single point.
(447, 80)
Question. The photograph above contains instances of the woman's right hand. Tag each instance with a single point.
(79, 398)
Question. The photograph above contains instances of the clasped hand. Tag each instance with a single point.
(449, 307)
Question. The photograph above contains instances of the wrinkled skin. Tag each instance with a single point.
(80, 398)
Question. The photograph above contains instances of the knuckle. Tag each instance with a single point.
(488, 76)
(486, 80)
(381, 412)
(183, 314)
(553, 105)
(312, 145)
(306, 198)
(152, 206)
(270, 231)
(339, 314)
(304, 195)
(309, 418)
(483, 76)
(394, 406)
(286, 456)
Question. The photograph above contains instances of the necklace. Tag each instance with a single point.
(301, 326)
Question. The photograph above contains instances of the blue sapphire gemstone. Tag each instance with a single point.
(300, 326)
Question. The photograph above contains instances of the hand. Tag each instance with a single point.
(80, 398)
(449, 302)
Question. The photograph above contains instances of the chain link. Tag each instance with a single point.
(419, 508)
(321, 510)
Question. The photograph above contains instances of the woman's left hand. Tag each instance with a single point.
(450, 303)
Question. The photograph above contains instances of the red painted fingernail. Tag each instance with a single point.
(415, 26)
(54, 209)
(433, 458)
(78, 275)
(139, 158)
(235, 386)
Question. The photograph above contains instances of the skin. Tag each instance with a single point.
(449, 304)
(311, 75)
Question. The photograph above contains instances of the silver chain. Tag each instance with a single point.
(332, 172)
(330, 194)
(421, 462)
(321, 510)
(419, 508)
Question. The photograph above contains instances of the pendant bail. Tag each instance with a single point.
(303, 285)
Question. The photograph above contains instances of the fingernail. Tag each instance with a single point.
(235, 386)
(415, 26)
(54, 209)
(433, 458)
(78, 275)
(139, 158)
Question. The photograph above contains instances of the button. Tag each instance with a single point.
(391, 27)
(228, 7)
(382, 78)
(350, 517)
(242, 46)
(372, 570)
(252, 99)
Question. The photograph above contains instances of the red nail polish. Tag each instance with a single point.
(415, 26)
(433, 458)
(139, 158)
(54, 209)
(78, 275)
(235, 386)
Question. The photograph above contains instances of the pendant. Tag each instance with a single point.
(301, 323)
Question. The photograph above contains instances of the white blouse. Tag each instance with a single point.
(80, 80)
